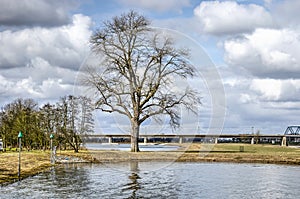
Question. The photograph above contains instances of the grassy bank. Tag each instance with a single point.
(34, 162)
(243, 153)
(31, 163)
(210, 153)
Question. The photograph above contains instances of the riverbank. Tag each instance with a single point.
(237, 153)
(34, 162)
(31, 163)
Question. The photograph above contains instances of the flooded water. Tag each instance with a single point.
(160, 180)
(126, 147)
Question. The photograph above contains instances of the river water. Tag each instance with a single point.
(126, 147)
(160, 180)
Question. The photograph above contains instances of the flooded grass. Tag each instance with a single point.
(32, 162)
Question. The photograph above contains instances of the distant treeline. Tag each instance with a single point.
(67, 119)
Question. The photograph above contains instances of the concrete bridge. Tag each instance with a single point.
(214, 137)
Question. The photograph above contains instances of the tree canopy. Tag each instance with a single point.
(136, 76)
(67, 120)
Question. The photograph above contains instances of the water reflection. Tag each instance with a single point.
(178, 180)
(126, 147)
(69, 178)
(134, 184)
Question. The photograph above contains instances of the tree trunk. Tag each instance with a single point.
(135, 130)
(76, 143)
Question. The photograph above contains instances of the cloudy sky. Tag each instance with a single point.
(254, 45)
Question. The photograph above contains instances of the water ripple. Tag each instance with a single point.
(178, 180)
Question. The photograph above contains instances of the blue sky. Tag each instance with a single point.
(254, 46)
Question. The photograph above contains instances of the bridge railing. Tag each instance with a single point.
(282, 139)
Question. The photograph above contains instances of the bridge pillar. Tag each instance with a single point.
(145, 140)
(283, 141)
(216, 140)
(109, 140)
(252, 140)
(180, 140)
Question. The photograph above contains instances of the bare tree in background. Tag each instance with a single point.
(75, 119)
(137, 72)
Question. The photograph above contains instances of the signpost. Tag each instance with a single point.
(51, 149)
(20, 148)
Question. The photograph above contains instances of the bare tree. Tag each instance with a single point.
(85, 121)
(136, 76)
(75, 118)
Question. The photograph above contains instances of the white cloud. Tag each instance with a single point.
(158, 5)
(277, 90)
(267, 2)
(267, 104)
(21, 88)
(45, 82)
(64, 46)
(266, 53)
(54, 88)
(35, 12)
(42, 63)
(286, 12)
(268, 89)
(229, 17)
